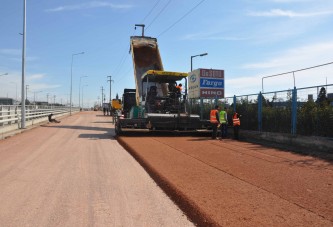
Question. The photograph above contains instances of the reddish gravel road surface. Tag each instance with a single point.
(75, 174)
(234, 183)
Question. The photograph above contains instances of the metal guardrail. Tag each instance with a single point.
(11, 114)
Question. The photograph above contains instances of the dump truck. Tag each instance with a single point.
(129, 101)
(159, 105)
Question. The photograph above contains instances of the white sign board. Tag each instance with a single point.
(206, 83)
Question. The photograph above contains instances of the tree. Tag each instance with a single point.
(322, 98)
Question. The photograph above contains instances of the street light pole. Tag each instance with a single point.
(201, 100)
(23, 67)
(70, 105)
(86, 85)
(199, 55)
(80, 90)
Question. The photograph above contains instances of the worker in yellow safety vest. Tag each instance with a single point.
(215, 120)
(224, 122)
(236, 124)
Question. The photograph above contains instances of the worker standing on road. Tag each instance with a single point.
(215, 120)
(224, 123)
(236, 124)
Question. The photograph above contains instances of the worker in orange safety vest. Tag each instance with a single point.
(236, 124)
(215, 120)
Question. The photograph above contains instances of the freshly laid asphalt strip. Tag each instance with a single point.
(233, 183)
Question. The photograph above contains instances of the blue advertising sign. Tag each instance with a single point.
(211, 83)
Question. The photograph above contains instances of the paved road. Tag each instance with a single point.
(75, 174)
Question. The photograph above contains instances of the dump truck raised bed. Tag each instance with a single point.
(160, 105)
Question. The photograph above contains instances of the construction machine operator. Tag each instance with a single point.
(179, 88)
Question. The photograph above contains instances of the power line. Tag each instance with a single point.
(118, 69)
(159, 13)
(125, 56)
(123, 59)
(151, 11)
(180, 18)
(129, 69)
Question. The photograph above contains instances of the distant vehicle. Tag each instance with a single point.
(96, 107)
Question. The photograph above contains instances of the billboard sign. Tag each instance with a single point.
(206, 83)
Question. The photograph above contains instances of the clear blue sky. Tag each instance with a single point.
(249, 39)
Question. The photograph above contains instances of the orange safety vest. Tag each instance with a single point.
(235, 120)
(213, 119)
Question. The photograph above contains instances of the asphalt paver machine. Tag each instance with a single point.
(160, 105)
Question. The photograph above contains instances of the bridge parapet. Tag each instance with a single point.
(10, 115)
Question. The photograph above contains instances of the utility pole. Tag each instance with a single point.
(35, 96)
(110, 86)
(86, 85)
(103, 98)
(80, 91)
